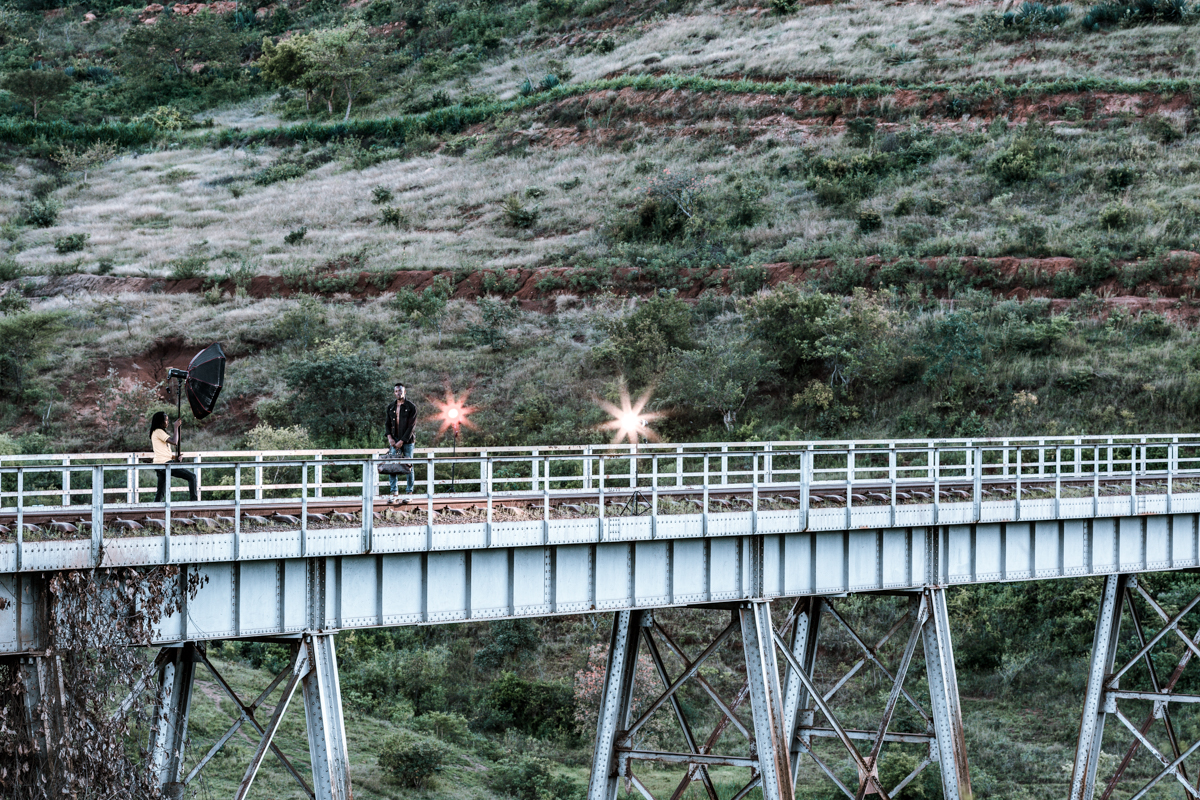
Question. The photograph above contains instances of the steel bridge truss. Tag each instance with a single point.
(312, 667)
(1136, 681)
(785, 712)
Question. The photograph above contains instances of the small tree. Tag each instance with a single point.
(289, 63)
(722, 375)
(72, 159)
(36, 86)
(342, 59)
(337, 396)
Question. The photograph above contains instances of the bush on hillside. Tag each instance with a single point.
(411, 760)
(41, 212)
(639, 344)
(544, 710)
(71, 243)
(1107, 15)
(526, 778)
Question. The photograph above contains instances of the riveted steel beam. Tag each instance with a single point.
(766, 701)
(173, 704)
(326, 727)
(614, 703)
(1104, 653)
(943, 696)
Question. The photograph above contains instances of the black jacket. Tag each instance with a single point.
(401, 429)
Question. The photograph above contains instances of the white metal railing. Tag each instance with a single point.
(64, 483)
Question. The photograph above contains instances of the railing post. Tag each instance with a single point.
(935, 469)
(533, 471)
(368, 506)
(892, 480)
(1171, 457)
(258, 477)
(1017, 501)
(487, 528)
(587, 468)
(849, 482)
(806, 476)
(678, 466)
(131, 482)
(318, 475)
(546, 501)
(1057, 480)
(429, 503)
(724, 465)
(304, 508)
(97, 513)
(66, 481)
(600, 518)
(20, 519)
(704, 508)
(237, 511)
(978, 488)
(1133, 480)
(167, 516)
(653, 497)
(199, 478)
(754, 495)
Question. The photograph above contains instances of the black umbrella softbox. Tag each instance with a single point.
(205, 377)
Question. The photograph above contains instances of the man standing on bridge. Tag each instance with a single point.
(401, 418)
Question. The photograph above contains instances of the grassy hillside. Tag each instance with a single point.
(788, 221)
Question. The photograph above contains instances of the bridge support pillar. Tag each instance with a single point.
(326, 726)
(173, 703)
(943, 699)
(766, 701)
(615, 702)
(1133, 690)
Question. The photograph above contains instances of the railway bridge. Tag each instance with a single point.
(296, 546)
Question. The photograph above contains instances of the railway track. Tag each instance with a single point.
(146, 518)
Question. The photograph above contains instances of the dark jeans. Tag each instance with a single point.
(405, 451)
(185, 474)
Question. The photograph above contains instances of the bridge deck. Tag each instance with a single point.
(911, 517)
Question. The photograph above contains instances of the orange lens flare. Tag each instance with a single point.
(629, 421)
(453, 412)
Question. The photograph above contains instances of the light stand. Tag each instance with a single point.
(636, 499)
(453, 455)
(180, 376)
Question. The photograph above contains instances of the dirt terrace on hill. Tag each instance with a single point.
(688, 113)
(531, 297)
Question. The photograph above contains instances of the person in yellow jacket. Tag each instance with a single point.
(164, 452)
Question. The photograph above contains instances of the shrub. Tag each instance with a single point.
(449, 727)
(861, 130)
(71, 243)
(41, 212)
(381, 195)
(296, 236)
(192, 266)
(1136, 12)
(1019, 162)
(411, 760)
(905, 206)
(1116, 216)
(1161, 129)
(427, 306)
(527, 778)
(497, 315)
(393, 216)
(517, 213)
(10, 270)
(544, 710)
(869, 220)
(1033, 16)
(640, 343)
(1120, 177)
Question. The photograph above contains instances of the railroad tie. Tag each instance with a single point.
(794, 501)
(903, 496)
(5, 529)
(288, 518)
(574, 509)
(63, 527)
(224, 520)
(204, 522)
(693, 501)
(126, 524)
(153, 522)
(512, 509)
(255, 519)
(879, 496)
(858, 498)
(458, 512)
(31, 528)
(315, 517)
(342, 516)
